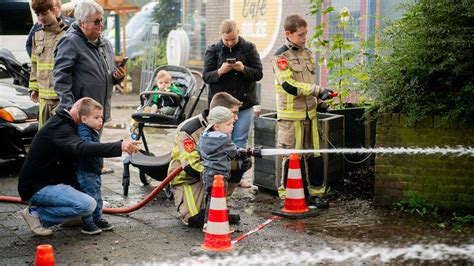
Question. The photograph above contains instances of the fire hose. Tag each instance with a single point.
(132, 208)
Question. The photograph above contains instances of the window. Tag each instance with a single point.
(194, 23)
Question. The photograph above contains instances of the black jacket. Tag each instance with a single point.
(53, 153)
(241, 85)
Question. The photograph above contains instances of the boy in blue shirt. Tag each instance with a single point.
(89, 168)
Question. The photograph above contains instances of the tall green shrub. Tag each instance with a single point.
(426, 62)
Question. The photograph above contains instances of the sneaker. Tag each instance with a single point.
(90, 229)
(34, 223)
(234, 219)
(104, 225)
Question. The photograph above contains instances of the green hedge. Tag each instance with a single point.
(426, 63)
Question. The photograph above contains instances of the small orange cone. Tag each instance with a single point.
(295, 204)
(217, 233)
(44, 255)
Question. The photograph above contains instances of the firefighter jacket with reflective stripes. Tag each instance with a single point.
(296, 91)
(42, 59)
(185, 152)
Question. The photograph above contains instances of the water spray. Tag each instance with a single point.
(456, 151)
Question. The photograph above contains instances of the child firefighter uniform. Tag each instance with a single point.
(296, 99)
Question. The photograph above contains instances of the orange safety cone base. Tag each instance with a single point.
(296, 215)
(213, 249)
(217, 238)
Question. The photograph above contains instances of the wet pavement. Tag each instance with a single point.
(350, 232)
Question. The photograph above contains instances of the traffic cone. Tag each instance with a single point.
(217, 233)
(295, 204)
(44, 255)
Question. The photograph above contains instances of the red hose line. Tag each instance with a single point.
(132, 208)
(148, 198)
(12, 199)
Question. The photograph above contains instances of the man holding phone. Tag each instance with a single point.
(233, 65)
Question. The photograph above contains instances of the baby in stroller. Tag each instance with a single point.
(165, 102)
(169, 97)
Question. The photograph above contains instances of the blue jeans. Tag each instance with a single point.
(90, 184)
(59, 203)
(240, 135)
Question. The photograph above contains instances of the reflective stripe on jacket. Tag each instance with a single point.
(300, 74)
(42, 59)
(185, 152)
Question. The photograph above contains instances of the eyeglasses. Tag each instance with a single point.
(98, 21)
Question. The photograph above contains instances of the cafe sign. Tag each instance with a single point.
(258, 22)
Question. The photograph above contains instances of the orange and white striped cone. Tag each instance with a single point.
(217, 233)
(44, 255)
(295, 204)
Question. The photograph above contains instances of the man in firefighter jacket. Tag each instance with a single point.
(44, 42)
(187, 186)
(296, 99)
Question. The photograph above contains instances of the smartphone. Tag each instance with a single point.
(124, 62)
(231, 60)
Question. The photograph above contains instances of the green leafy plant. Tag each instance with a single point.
(459, 222)
(168, 14)
(345, 59)
(426, 65)
(416, 205)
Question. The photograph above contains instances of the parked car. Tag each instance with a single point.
(18, 121)
(18, 114)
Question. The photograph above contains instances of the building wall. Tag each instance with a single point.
(447, 181)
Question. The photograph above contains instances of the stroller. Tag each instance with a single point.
(156, 166)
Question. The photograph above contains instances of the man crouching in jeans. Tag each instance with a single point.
(47, 178)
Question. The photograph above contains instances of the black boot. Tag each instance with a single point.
(234, 219)
(196, 221)
(318, 202)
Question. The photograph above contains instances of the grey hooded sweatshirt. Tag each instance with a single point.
(217, 150)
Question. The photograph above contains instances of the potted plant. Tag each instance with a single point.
(343, 54)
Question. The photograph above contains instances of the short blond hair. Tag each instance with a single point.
(87, 106)
(163, 74)
(228, 26)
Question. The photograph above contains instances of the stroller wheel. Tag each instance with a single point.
(168, 193)
(143, 178)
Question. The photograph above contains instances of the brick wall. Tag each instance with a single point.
(218, 10)
(447, 181)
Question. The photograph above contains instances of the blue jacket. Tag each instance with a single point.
(88, 163)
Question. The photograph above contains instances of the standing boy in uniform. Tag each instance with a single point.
(44, 42)
(296, 99)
